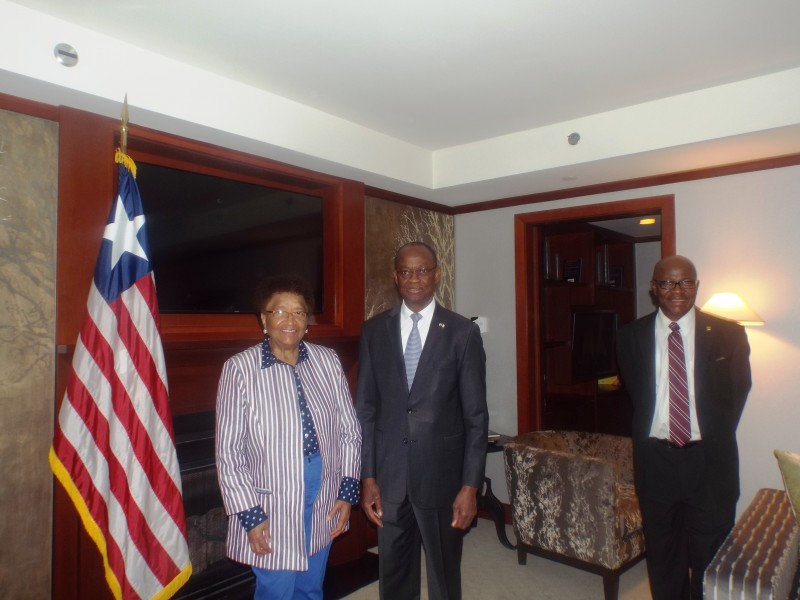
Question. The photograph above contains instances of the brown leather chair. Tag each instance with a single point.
(572, 501)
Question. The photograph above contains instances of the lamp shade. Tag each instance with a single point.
(730, 306)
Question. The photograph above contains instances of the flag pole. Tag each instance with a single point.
(123, 130)
(121, 155)
(98, 455)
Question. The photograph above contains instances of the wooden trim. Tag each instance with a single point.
(172, 150)
(777, 162)
(528, 277)
(86, 184)
(409, 200)
(526, 255)
(28, 107)
(350, 265)
(46, 111)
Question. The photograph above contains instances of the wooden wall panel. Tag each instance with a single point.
(195, 345)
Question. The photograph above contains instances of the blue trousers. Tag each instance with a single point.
(286, 585)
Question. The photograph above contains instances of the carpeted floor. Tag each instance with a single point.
(490, 572)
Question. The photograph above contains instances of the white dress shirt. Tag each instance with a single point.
(424, 324)
(660, 427)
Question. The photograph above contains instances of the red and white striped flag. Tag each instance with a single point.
(113, 446)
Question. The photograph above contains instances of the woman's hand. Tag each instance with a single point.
(340, 512)
(260, 539)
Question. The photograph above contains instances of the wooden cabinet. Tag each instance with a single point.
(588, 292)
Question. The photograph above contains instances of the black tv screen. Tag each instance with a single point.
(212, 239)
(594, 334)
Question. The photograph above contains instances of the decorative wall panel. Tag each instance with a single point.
(28, 195)
(389, 225)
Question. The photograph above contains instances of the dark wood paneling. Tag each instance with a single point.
(408, 200)
(86, 184)
(193, 371)
(195, 345)
(28, 107)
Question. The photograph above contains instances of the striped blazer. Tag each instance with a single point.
(259, 449)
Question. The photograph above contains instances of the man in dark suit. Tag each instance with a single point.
(686, 460)
(424, 431)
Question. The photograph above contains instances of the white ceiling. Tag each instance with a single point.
(438, 74)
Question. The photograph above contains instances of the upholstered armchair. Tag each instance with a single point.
(572, 500)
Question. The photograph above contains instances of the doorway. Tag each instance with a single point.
(533, 267)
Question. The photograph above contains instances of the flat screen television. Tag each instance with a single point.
(594, 334)
(212, 239)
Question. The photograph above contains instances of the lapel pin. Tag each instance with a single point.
(442, 325)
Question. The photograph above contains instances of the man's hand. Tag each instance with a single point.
(465, 507)
(260, 539)
(341, 513)
(371, 500)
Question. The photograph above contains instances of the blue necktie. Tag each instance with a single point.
(413, 350)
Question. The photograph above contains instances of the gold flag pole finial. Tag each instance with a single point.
(123, 130)
(121, 155)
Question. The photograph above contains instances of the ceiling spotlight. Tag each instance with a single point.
(574, 138)
(647, 221)
(66, 55)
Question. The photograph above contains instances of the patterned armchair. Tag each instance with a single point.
(572, 500)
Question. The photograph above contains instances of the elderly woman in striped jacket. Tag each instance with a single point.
(288, 448)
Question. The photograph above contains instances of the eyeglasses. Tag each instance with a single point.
(282, 315)
(668, 285)
(422, 272)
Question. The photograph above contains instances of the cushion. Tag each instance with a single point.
(789, 464)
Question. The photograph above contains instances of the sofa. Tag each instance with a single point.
(759, 558)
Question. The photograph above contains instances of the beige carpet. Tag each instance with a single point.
(489, 571)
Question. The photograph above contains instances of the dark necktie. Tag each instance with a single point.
(680, 430)
(413, 350)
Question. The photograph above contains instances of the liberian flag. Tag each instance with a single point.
(113, 447)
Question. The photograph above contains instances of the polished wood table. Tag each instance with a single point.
(487, 501)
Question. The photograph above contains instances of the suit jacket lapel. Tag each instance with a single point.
(395, 342)
(431, 348)
(702, 348)
(432, 341)
(647, 348)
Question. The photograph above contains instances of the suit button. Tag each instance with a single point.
(410, 410)
(405, 440)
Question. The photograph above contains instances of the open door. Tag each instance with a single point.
(544, 344)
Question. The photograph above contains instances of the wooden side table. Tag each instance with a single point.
(487, 501)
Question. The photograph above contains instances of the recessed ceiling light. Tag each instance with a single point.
(647, 221)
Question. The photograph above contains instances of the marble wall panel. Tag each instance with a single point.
(28, 196)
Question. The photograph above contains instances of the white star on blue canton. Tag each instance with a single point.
(122, 234)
